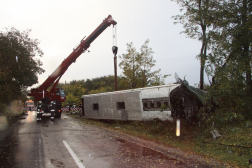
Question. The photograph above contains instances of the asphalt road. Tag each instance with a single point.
(70, 143)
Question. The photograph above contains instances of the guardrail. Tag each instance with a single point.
(74, 109)
(26, 108)
(65, 109)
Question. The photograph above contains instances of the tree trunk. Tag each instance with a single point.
(203, 52)
(133, 84)
(203, 47)
(245, 32)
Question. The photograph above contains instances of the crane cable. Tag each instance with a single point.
(114, 39)
(114, 48)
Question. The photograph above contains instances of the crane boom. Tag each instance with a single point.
(61, 69)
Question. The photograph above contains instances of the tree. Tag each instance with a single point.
(74, 91)
(76, 88)
(234, 39)
(19, 63)
(137, 66)
(229, 29)
(71, 99)
(146, 62)
(230, 60)
(197, 21)
(130, 65)
(158, 80)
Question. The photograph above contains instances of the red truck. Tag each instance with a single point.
(51, 101)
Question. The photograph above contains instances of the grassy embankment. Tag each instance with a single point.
(234, 146)
(8, 116)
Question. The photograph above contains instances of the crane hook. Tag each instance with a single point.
(114, 48)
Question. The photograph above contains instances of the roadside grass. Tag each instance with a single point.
(8, 117)
(233, 147)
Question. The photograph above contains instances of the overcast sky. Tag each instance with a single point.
(60, 25)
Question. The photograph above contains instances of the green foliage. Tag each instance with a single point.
(164, 107)
(227, 99)
(75, 89)
(206, 86)
(19, 62)
(158, 79)
(146, 63)
(137, 67)
(227, 25)
(197, 21)
(130, 65)
(101, 90)
(71, 99)
(105, 82)
(230, 94)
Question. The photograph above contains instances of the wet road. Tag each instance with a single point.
(70, 143)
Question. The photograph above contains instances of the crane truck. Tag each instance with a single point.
(51, 101)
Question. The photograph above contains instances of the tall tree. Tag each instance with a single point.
(229, 36)
(233, 22)
(230, 60)
(137, 67)
(130, 66)
(197, 22)
(19, 63)
(146, 62)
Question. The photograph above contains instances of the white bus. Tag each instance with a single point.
(162, 102)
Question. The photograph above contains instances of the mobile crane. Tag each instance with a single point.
(51, 100)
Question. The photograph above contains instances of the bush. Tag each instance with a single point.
(2, 108)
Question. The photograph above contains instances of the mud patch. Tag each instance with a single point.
(138, 151)
(45, 125)
(57, 163)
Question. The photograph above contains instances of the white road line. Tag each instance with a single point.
(76, 159)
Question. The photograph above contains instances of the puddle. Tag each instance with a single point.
(57, 163)
(21, 146)
(22, 118)
(144, 152)
(45, 125)
(120, 140)
(8, 148)
(3, 123)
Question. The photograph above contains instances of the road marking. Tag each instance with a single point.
(76, 159)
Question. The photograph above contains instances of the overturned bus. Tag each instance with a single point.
(162, 102)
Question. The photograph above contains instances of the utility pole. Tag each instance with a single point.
(114, 49)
